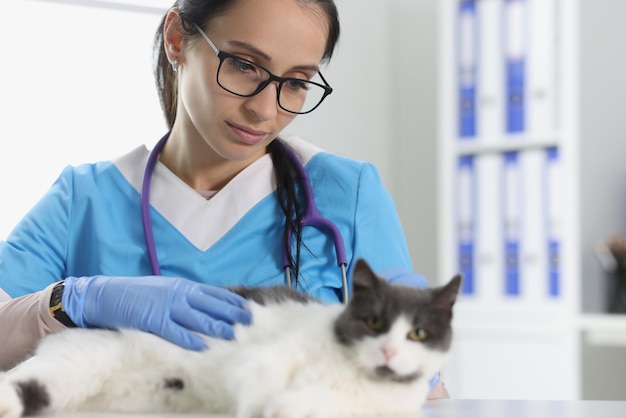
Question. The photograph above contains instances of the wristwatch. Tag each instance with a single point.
(56, 306)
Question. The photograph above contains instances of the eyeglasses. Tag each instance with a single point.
(245, 78)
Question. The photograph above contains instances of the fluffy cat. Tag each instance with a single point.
(298, 359)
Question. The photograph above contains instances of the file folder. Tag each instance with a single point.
(515, 41)
(489, 255)
(490, 79)
(533, 256)
(466, 62)
(554, 213)
(511, 221)
(541, 61)
(466, 221)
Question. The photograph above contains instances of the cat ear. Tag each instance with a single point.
(445, 296)
(363, 277)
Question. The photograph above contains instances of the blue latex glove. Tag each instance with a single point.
(171, 307)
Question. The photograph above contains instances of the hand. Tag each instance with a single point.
(171, 307)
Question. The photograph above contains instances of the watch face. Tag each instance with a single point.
(57, 295)
(56, 307)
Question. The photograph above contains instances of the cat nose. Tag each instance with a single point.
(389, 352)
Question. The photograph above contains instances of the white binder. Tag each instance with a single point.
(466, 63)
(554, 214)
(489, 256)
(533, 252)
(466, 221)
(515, 23)
(541, 63)
(490, 83)
(511, 221)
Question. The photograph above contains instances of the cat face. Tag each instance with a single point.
(396, 333)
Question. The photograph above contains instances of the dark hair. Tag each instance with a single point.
(201, 12)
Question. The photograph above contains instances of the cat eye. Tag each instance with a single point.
(417, 335)
(374, 323)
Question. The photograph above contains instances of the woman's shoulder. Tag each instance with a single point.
(130, 160)
(96, 175)
(319, 162)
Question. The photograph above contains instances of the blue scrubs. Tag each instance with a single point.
(89, 223)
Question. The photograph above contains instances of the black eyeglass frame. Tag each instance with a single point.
(221, 55)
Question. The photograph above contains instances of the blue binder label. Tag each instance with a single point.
(515, 64)
(467, 68)
(553, 215)
(512, 222)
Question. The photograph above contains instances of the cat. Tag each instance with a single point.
(298, 359)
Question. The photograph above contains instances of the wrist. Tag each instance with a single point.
(57, 310)
(76, 292)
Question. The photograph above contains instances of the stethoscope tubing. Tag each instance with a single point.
(146, 218)
(311, 217)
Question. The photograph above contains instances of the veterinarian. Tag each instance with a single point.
(149, 240)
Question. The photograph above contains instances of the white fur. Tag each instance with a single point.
(288, 364)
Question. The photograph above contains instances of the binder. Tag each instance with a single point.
(541, 61)
(488, 253)
(533, 255)
(490, 78)
(511, 216)
(466, 221)
(554, 213)
(466, 62)
(515, 51)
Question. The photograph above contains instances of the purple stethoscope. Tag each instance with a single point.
(311, 217)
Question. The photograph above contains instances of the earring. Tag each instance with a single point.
(175, 65)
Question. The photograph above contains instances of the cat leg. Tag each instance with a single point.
(22, 393)
(65, 371)
(11, 404)
(360, 399)
(310, 401)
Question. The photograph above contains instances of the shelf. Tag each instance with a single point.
(506, 143)
(598, 330)
(606, 330)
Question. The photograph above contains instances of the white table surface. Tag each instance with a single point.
(465, 408)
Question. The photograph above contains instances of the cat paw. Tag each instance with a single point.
(10, 402)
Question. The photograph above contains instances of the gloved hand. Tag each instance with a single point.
(170, 307)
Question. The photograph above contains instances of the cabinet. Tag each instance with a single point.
(528, 323)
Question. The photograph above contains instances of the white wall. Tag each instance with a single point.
(603, 139)
(76, 87)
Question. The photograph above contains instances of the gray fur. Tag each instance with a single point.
(430, 308)
(272, 294)
(34, 396)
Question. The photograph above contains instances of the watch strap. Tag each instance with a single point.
(56, 306)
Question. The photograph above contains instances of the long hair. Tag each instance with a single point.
(201, 12)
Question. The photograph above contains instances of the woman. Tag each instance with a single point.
(226, 200)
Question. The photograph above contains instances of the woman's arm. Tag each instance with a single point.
(31, 263)
(23, 322)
